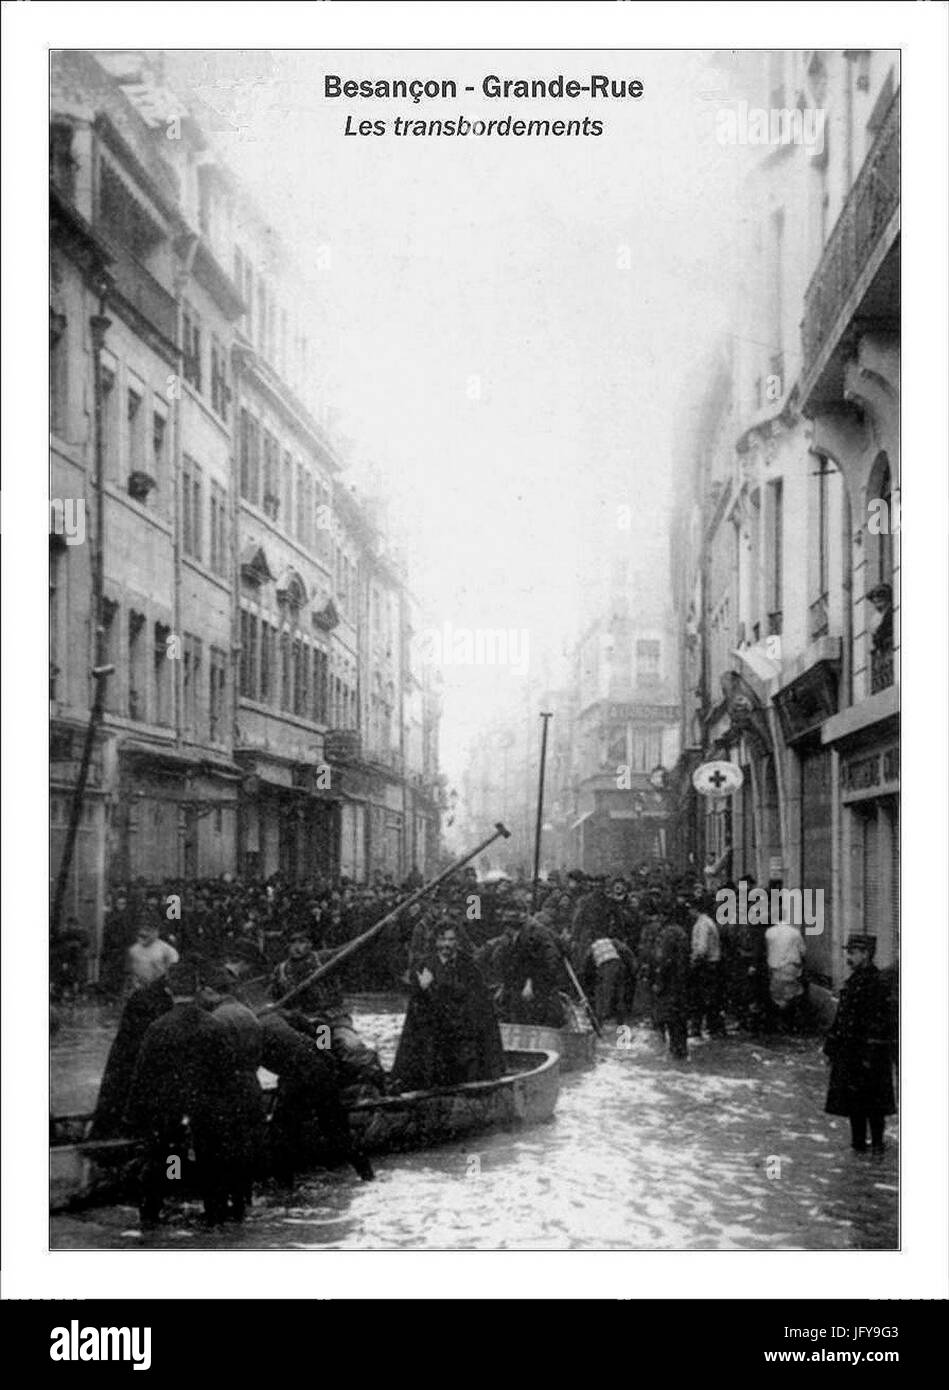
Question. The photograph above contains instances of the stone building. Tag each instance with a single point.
(785, 561)
(251, 629)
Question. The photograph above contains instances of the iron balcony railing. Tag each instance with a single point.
(864, 217)
(881, 670)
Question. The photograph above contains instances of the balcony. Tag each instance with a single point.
(143, 293)
(881, 670)
(856, 277)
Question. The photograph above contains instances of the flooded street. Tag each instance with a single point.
(730, 1151)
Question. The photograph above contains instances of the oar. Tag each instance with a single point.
(572, 975)
(358, 942)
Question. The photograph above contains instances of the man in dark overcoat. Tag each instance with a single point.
(450, 1035)
(860, 1048)
(187, 1070)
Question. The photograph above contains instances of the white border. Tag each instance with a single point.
(920, 1271)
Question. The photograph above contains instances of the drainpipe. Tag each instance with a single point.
(189, 243)
(779, 784)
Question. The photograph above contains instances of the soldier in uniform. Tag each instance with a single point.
(860, 1049)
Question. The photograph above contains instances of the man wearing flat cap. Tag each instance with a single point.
(860, 1047)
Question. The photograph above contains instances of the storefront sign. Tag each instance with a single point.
(872, 772)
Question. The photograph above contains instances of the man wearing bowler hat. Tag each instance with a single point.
(860, 1048)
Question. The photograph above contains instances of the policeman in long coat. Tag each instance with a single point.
(860, 1048)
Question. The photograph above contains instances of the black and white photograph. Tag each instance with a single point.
(474, 639)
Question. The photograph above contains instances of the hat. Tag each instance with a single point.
(883, 591)
(183, 977)
(859, 941)
(221, 978)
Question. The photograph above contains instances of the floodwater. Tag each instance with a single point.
(729, 1151)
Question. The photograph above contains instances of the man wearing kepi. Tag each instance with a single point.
(860, 1048)
(321, 1006)
(450, 1035)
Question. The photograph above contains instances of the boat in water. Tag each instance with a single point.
(575, 1047)
(85, 1171)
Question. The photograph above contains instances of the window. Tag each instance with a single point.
(191, 508)
(647, 661)
(219, 530)
(320, 675)
(191, 685)
(110, 611)
(261, 314)
(248, 289)
(287, 493)
(137, 667)
(136, 425)
(220, 392)
(819, 622)
(217, 695)
(250, 458)
(191, 347)
(162, 674)
(58, 373)
(301, 505)
(286, 672)
(109, 433)
(238, 270)
(159, 441)
(248, 667)
(775, 555)
(271, 476)
(62, 165)
(268, 662)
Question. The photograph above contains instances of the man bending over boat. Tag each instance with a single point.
(450, 1035)
(321, 1006)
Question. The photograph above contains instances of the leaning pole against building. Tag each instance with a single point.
(101, 671)
(359, 942)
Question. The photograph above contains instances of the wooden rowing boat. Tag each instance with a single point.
(84, 1171)
(576, 1048)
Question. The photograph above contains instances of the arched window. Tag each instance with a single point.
(879, 589)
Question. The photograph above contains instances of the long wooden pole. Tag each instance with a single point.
(546, 716)
(99, 325)
(358, 942)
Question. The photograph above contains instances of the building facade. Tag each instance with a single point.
(785, 538)
(227, 581)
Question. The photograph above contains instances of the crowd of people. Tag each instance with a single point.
(642, 947)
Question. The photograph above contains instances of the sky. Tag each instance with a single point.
(513, 327)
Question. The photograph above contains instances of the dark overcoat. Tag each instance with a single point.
(860, 1047)
(143, 1007)
(450, 1035)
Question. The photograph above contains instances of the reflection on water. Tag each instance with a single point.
(728, 1152)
